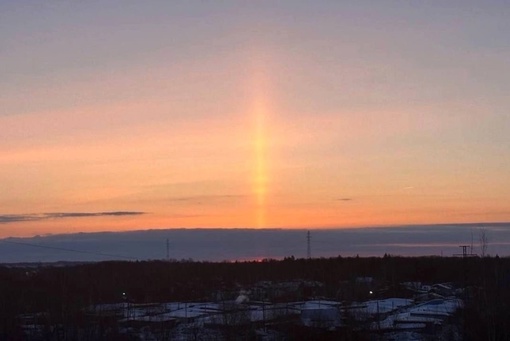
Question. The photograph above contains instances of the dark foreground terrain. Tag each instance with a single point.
(291, 299)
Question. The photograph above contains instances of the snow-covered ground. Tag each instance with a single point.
(373, 307)
(418, 316)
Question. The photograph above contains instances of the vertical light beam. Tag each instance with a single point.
(260, 161)
(260, 113)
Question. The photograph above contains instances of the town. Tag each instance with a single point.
(385, 298)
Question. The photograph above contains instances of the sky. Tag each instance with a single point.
(123, 115)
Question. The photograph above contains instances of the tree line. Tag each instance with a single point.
(63, 293)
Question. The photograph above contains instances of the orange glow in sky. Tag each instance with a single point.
(261, 113)
(261, 176)
(207, 114)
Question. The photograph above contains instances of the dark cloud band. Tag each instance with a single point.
(14, 218)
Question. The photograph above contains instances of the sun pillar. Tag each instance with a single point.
(261, 180)
(261, 111)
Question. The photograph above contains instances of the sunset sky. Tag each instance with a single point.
(120, 115)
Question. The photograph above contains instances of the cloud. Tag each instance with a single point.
(90, 214)
(14, 218)
(344, 199)
(199, 199)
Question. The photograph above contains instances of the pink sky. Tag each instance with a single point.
(238, 114)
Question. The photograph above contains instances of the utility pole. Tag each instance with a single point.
(167, 249)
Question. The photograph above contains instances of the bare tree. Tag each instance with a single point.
(484, 242)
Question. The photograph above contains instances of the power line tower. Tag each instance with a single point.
(465, 253)
(308, 245)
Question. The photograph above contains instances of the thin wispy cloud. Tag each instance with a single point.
(206, 198)
(344, 199)
(14, 218)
